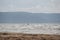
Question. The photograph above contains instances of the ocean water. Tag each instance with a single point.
(24, 17)
(30, 23)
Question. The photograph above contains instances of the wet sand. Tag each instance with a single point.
(23, 36)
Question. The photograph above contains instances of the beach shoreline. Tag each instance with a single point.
(22, 36)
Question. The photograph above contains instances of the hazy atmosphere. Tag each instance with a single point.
(44, 6)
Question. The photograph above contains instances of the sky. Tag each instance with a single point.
(34, 6)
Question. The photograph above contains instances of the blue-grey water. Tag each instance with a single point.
(35, 20)
(25, 17)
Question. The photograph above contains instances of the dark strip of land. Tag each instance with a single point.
(23, 36)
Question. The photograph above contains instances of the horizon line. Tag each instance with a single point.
(37, 12)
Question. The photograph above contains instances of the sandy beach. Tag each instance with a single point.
(22, 36)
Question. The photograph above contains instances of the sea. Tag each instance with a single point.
(30, 23)
(25, 17)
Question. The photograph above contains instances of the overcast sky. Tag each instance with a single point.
(43, 6)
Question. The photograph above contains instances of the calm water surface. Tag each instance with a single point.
(24, 17)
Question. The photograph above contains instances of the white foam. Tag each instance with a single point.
(31, 28)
